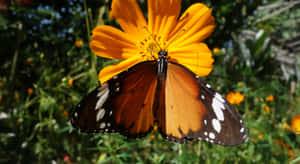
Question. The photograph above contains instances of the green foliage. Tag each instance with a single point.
(44, 74)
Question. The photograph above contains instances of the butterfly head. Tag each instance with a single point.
(162, 54)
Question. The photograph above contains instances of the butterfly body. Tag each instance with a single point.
(164, 93)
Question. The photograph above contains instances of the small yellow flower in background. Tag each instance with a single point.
(29, 91)
(260, 136)
(28, 60)
(155, 128)
(140, 39)
(285, 126)
(270, 98)
(0, 99)
(267, 109)
(152, 137)
(295, 124)
(235, 97)
(256, 100)
(70, 83)
(1, 84)
(216, 50)
(79, 43)
(17, 97)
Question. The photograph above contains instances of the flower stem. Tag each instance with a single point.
(93, 57)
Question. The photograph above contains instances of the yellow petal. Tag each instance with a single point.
(112, 43)
(130, 17)
(197, 57)
(113, 70)
(198, 24)
(162, 16)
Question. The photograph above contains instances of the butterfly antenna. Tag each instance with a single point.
(152, 36)
(178, 33)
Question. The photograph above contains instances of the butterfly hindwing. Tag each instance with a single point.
(122, 104)
(195, 111)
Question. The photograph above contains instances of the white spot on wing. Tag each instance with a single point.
(216, 125)
(208, 86)
(202, 97)
(76, 114)
(102, 125)
(102, 98)
(242, 130)
(217, 108)
(205, 133)
(212, 135)
(100, 114)
(219, 97)
(205, 122)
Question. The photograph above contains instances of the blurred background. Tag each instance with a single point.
(47, 67)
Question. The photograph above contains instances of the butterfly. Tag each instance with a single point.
(162, 93)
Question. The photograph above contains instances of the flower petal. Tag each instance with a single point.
(112, 43)
(113, 70)
(130, 17)
(162, 16)
(198, 24)
(197, 57)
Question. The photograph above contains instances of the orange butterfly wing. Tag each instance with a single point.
(195, 111)
(123, 104)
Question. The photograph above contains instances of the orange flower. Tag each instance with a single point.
(267, 109)
(235, 97)
(29, 91)
(216, 50)
(66, 113)
(152, 137)
(17, 97)
(79, 43)
(260, 136)
(141, 40)
(70, 83)
(1, 84)
(295, 124)
(270, 98)
(28, 60)
(155, 128)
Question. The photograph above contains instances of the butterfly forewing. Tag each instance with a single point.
(123, 104)
(195, 111)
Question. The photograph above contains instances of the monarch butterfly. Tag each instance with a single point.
(164, 93)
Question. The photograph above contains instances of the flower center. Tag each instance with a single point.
(150, 46)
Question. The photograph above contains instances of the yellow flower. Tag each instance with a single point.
(260, 136)
(235, 97)
(155, 128)
(256, 100)
(141, 40)
(285, 126)
(78, 43)
(295, 124)
(270, 98)
(29, 91)
(1, 84)
(216, 50)
(267, 109)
